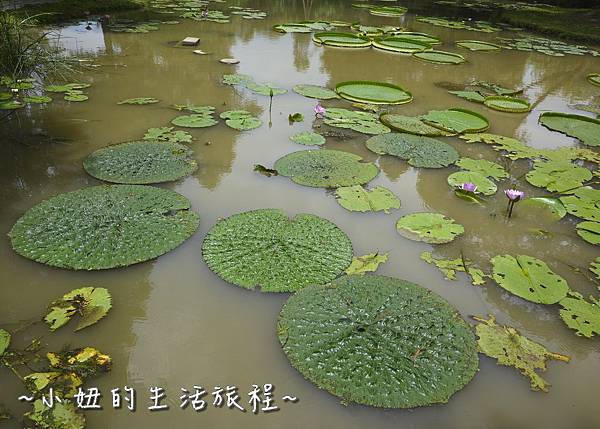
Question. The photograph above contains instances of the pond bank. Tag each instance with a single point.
(66, 10)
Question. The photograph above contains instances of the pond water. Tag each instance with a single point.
(175, 324)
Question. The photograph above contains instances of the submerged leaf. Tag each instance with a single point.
(85, 362)
(510, 348)
(450, 266)
(357, 199)
(366, 263)
(92, 304)
(432, 228)
(265, 171)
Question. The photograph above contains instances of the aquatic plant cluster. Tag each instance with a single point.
(421, 350)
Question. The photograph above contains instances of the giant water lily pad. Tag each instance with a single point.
(364, 91)
(484, 167)
(265, 249)
(418, 151)
(583, 128)
(326, 168)
(594, 78)
(510, 348)
(439, 57)
(589, 231)
(140, 163)
(91, 303)
(104, 227)
(308, 138)
(557, 176)
(362, 122)
(378, 341)
(504, 103)
(583, 203)
(581, 315)
(389, 11)
(434, 228)
(449, 267)
(401, 44)
(419, 37)
(484, 185)
(341, 40)
(529, 278)
(292, 28)
(411, 125)
(11, 105)
(315, 91)
(358, 199)
(478, 45)
(457, 120)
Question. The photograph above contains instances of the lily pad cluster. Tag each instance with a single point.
(554, 48)
(72, 91)
(479, 172)
(202, 117)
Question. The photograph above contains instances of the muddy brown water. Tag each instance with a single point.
(175, 324)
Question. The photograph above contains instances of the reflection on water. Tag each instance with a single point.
(175, 324)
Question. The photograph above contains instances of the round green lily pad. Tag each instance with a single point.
(325, 168)
(529, 278)
(411, 125)
(505, 103)
(589, 231)
(439, 57)
(308, 138)
(342, 40)
(418, 151)
(104, 227)
(315, 91)
(401, 44)
(75, 96)
(194, 121)
(240, 120)
(584, 128)
(594, 78)
(378, 341)
(265, 249)
(434, 228)
(484, 185)
(358, 199)
(478, 45)
(457, 120)
(373, 92)
(140, 163)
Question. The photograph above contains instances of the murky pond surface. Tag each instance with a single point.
(175, 324)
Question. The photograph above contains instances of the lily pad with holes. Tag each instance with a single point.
(457, 120)
(315, 91)
(362, 122)
(103, 227)
(364, 91)
(583, 128)
(543, 208)
(510, 348)
(433, 228)
(484, 167)
(195, 121)
(439, 57)
(265, 89)
(91, 303)
(589, 231)
(594, 78)
(584, 203)
(326, 168)
(401, 44)
(366, 264)
(139, 101)
(411, 125)
(557, 176)
(240, 120)
(341, 40)
(265, 249)
(581, 315)
(478, 45)
(141, 162)
(484, 185)
(529, 278)
(308, 138)
(418, 151)
(423, 351)
(357, 199)
(504, 103)
(4, 341)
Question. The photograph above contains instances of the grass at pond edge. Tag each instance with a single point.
(66, 10)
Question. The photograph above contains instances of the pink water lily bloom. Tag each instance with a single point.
(514, 194)
(319, 110)
(469, 187)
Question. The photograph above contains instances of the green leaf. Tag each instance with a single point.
(166, 134)
(103, 227)
(478, 45)
(583, 203)
(589, 231)
(457, 120)
(84, 362)
(469, 95)
(432, 228)
(92, 304)
(308, 138)
(401, 44)
(63, 415)
(366, 263)
(411, 125)
(378, 341)
(11, 105)
(4, 341)
(373, 92)
(191, 108)
(484, 185)
(557, 176)
(315, 91)
(529, 278)
(69, 87)
(236, 79)
(357, 199)
(439, 57)
(141, 162)
(543, 207)
(584, 128)
(341, 40)
(139, 100)
(240, 120)
(37, 99)
(510, 348)
(269, 172)
(296, 117)
(267, 250)
(362, 122)
(504, 103)
(418, 151)
(484, 167)
(75, 96)
(195, 121)
(581, 315)
(326, 168)
(595, 267)
(266, 89)
(449, 267)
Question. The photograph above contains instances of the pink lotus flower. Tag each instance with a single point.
(319, 110)
(514, 194)
(469, 187)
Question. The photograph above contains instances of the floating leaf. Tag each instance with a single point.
(581, 315)
(583, 203)
(141, 162)
(269, 172)
(37, 99)
(557, 176)
(595, 267)
(484, 167)
(401, 44)
(236, 79)
(66, 88)
(413, 36)
(308, 138)
(296, 117)
(75, 96)
(389, 11)
(478, 45)
(90, 303)
(240, 120)
(450, 266)
(505, 103)
(418, 151)
(540, 207)
(342, 40)
(411, 125)
(63, 415)
(265, 89)
(292, 28)
(85, 362)
(484, 185)
(583, 128)
(457, 120)
(357, 199)
(439, 57)
(422, 350)
(363, 122)
(373, 92)
(194, 121)
(314, 91)
(166, 134)
(594, 78)
(267, 250)
(529, 278)
(103, 227)
(589, 231)
(434, 228)
(510, 348)
(326, 168)
(475, 96)
(366, 264)
(139, 100)
(4, 341)
(190, 108)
